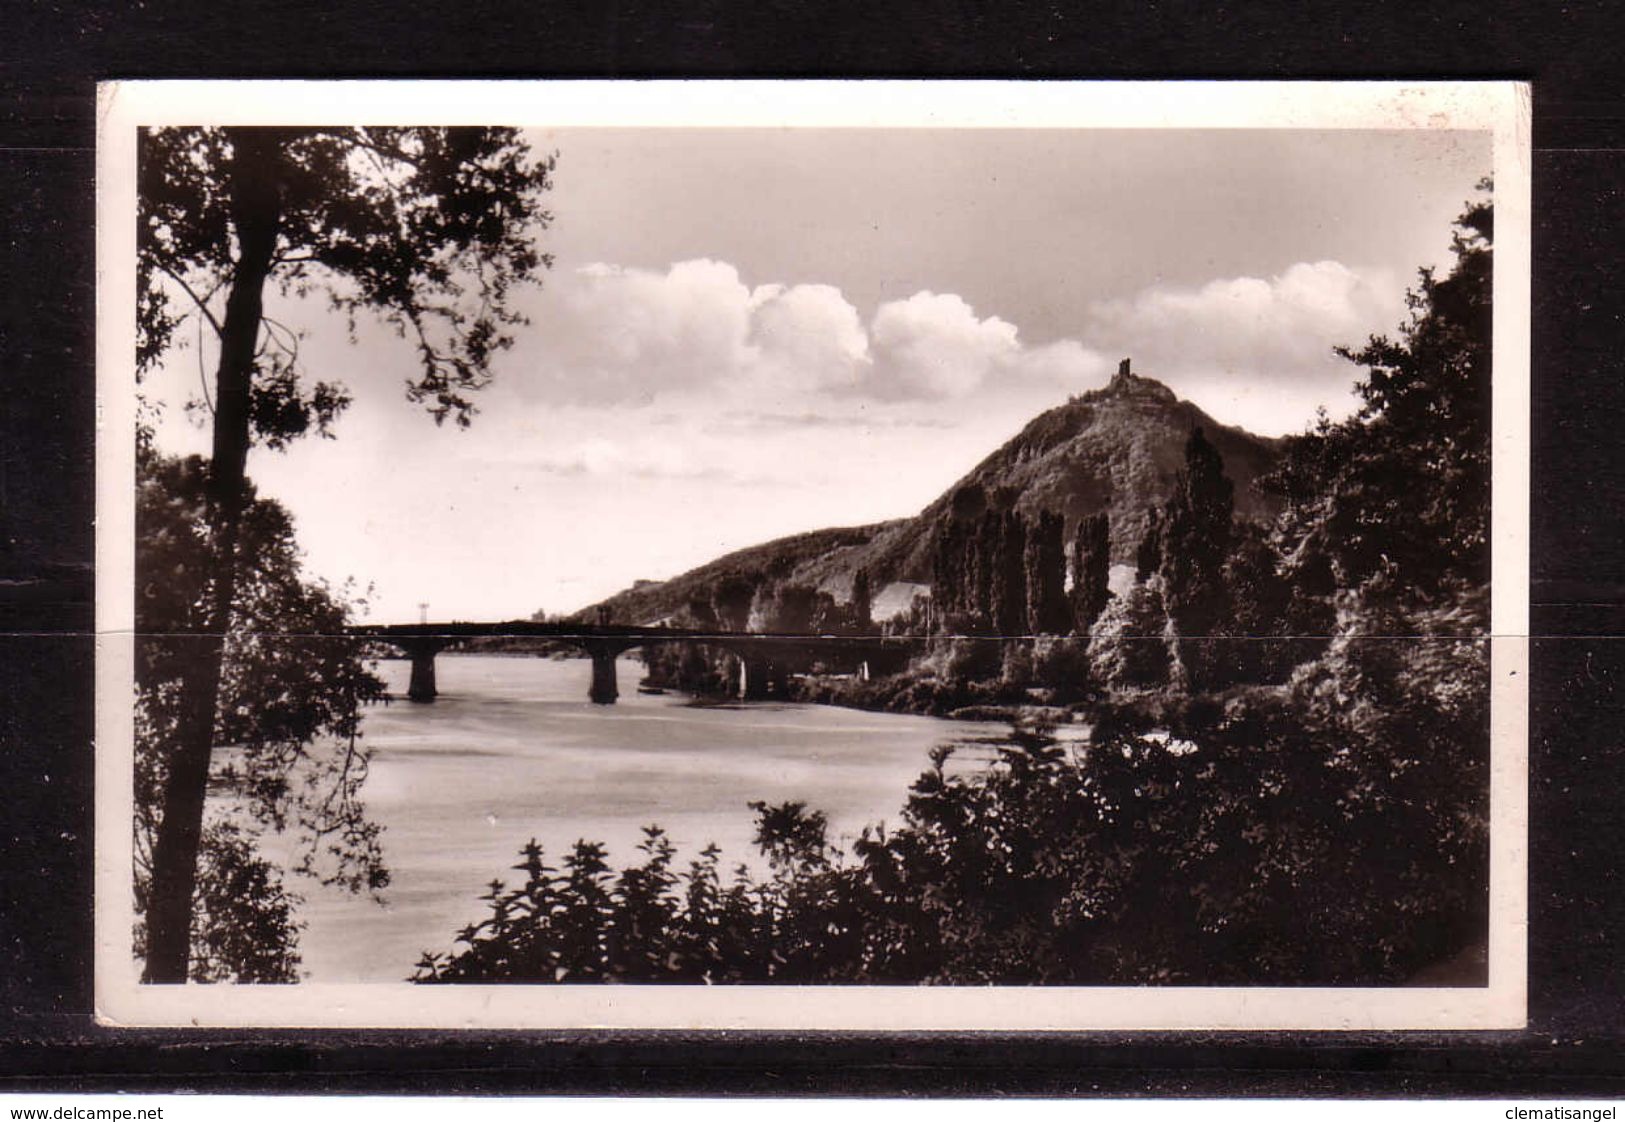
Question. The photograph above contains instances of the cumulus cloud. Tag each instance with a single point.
(610, 335)
(1066, 363)
(1279, 329)
(606, 334)
(807, 337)
(933, 346)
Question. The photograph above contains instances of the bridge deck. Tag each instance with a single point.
(579, 632)
(757, 653)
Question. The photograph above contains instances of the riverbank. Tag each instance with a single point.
(931, 697)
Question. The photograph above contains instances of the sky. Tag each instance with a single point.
(748, 333)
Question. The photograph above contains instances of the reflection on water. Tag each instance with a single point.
(513, 750)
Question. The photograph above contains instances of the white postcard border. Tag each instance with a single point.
(1499, 107)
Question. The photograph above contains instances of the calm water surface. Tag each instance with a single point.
(513, 750)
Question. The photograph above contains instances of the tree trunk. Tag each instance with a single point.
(256, 211)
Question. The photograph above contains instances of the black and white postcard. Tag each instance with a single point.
(833, 555)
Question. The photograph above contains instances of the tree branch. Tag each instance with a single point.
(196, 299)
(360, 136)
(289, 348)
(202, 372)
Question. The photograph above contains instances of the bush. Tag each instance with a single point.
(1062, 664)
(1127, 648)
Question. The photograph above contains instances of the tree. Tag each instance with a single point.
(1260, 607)
(1431, 390)
(1148, 554)
(1091, 570)
(1196, 542)
(1404, 486)
(1048, 612)
(952, 589)
(429, 229)
(793, 610)
(1004, 552)
(960, 560)
(700, 614)
(731, 600)
(291, 697)
(862, 602)
(1127, 649)
(1197, 530)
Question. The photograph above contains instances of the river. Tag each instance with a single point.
(513, 750)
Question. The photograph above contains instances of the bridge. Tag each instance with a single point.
(760, 655)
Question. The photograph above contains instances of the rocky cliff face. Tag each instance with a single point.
(1117, 449)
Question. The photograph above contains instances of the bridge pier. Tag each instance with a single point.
(753, 678)
(604, 690)
(422, 686)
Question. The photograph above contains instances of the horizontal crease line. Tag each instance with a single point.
(791, 637)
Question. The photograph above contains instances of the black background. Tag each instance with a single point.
(52, 53)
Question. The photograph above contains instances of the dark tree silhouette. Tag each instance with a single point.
(1258, 601)
(957, 571)
(1406, 483)
(1005, 545)
(291, 697)
(862, 601)
(700, 613)
(947, 578)
(1198, 539)
(1048, 612)
(1148, 554)
(430, 229)
(731, 600)
(1091, 570)
(794, 608)
(1196, 543)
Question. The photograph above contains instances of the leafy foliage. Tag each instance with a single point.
(862, 601)
(1196, 533)
(1274, 849)
(1091, 570)
(429, 228)
(1127, 646)
(290, 710)
(731, 600)
(1403, 488)
(1048, 610)
(245, 928)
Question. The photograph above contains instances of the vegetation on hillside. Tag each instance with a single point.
(757, 566)
(1285, 773)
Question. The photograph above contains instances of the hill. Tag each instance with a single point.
(783, 558)
(1118, 449)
